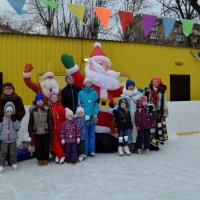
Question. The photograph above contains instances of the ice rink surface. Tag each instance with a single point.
(173, 173)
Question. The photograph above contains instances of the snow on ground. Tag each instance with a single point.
(169, 174)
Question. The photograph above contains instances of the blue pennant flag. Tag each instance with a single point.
(17, 5)
(168, 25)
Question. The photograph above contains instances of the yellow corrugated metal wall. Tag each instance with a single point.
(139, 62)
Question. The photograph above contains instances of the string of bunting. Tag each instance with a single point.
(104, 14)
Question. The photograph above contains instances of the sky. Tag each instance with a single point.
(5, 6)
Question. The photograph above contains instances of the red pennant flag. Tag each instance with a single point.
(125, 18)
(104, 15)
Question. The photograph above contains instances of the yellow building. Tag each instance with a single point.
(177, 66)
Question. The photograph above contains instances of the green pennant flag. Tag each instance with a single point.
(187, 26)
(78, 11)
(51, 4)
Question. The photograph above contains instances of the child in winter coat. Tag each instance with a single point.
(88, 99)
(9, 126)
(70, 136)
(58, 113)
(123, 125)
(131, 94)
(80, 118)
(41, 126)
(143, 123)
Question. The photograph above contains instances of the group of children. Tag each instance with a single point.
(71, 137)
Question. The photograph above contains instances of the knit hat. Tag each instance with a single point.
(98, 54)
(129, 83)
(86, 80)
(48, 74)
(9, 108)
(68, 76)
(80, 109)
(53, 94)
(142, 99)
(68, 112)
(38, 97)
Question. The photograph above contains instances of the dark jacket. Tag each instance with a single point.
(40, 121)
(122, 119)
(143, 119)
(17, 101)
(69, 97)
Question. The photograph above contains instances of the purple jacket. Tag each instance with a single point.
(142, 118)
(70, 131)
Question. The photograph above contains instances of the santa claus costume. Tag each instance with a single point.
(107, 86)
(58, 113)
(45, 87)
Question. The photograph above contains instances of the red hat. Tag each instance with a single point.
(98, 54)
(142, 99)
(158, 79)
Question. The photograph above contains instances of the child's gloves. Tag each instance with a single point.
(13, 118)
(28, 68)
(87, 117)
(78, 140)
(116, 130)
(63, 141)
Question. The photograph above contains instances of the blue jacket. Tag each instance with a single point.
(88, 99)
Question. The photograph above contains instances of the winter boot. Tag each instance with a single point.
(14, 166)
(81, 158)
(126, 150)
(1, 169)
(45, 162)
(139, 151)
(120, 150)
(57, 159)
(62, 160)
(40, 162)
(92, 154)
(131, 147)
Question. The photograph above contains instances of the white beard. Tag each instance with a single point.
(48, 86)
(104, 79)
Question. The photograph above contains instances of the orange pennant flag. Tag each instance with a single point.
(104, 15)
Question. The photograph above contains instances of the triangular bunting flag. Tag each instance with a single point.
(187, 26)
(78, 11)
(104, 15)
(168, 25)
(17, 5)
(125, 18)
(51, 4)
(148, 23)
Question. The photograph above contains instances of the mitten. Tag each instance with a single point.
(28, 68)
(13, 118)
(78, 140)
(116, 130)
(68, 61)
(63, 141)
